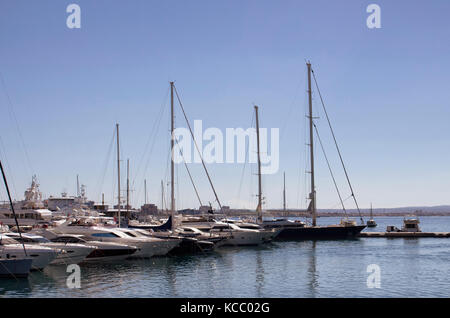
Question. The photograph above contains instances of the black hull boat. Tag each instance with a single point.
(320, 232)
(192, 246)
(15, 268)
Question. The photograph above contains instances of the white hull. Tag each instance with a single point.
(41, 256)
(243, 238)
(74, 253)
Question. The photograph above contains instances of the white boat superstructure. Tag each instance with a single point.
(237, 236)
(145, 247)
(104, 252)
(270, 233)
(74, 253)
(161, 246)
(41, 255)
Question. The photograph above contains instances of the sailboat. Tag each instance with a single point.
(371, 222)
(290, 230)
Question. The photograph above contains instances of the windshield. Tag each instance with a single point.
(6, 240)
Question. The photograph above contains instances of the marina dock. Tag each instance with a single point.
(404, 234)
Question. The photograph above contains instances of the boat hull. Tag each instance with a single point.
(320, 232)
(15, 268)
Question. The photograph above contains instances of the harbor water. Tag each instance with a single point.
(333, 268)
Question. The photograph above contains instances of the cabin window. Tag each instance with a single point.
(109, 234)
(65, 239)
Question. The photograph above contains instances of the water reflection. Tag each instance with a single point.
(259, 274)
(12, 286)
(312, 270)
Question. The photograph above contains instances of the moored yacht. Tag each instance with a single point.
(74, 253)
(237, 236)
(145, 248)
(271, 233)
(104, 251)
(41, 256)
(346, 228)
(161, 246)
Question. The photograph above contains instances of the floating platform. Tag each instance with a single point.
(405, 234)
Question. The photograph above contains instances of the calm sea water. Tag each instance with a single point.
(409, 268)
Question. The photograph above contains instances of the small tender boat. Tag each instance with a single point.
(410, 224)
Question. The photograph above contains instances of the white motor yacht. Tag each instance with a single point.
(91, 232)
(74, 252)
(41, 255)
(162, 246)
(104, 252)
(270, 233)
(238, 236)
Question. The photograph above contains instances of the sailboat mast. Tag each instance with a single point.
(128, 186)
(118, 173)
(145, 190)
(162, 196)
(284, 192)
(172, 128)
(259, 207)
(78, 187)
(312, 195)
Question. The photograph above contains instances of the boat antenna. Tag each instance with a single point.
(12, 207)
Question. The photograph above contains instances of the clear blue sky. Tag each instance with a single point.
(387, 92)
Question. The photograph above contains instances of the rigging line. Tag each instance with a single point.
(189, 173)
(198, 150)
(105, 165)
(337, 147)
(290, 110)
(329, 168)
(152, 137)
(3, 150)
(13, 115)
(245, 163)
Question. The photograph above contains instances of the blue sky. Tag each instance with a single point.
(386, 91)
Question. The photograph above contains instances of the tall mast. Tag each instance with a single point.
(145, 190)
(162, 196)
(312, 195)
(128, 185)
(78, 187)
(259, 207)
(284, 192)
(118, 173)
(172, 128)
